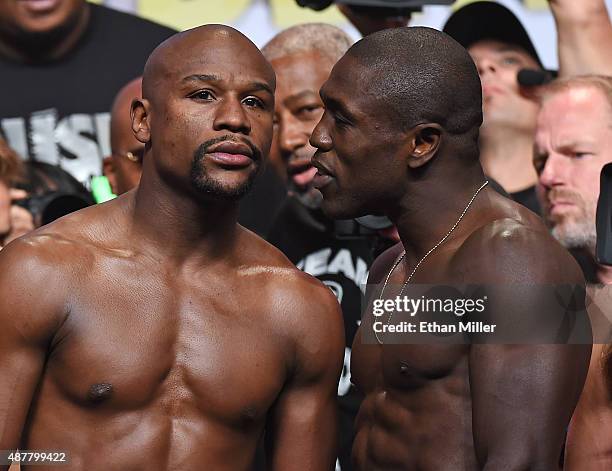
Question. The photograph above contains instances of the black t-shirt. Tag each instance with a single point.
(259, 207)
(58, 112)
(527, 198)
(310, 240)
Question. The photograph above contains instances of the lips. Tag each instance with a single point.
(231, 154)
(323, 177)
(560, 206)
(491, 90)
(39, 6)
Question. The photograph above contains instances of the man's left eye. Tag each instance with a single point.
(252, 101)
(510, 60)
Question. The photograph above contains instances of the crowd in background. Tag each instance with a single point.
(545, 139)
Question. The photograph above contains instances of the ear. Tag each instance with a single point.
(424, 143)
(108, 170)
(140, 113)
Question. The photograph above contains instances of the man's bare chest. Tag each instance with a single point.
(129, 344)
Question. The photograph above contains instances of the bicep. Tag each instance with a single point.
(26, 326)
(522, 400)
(301, 434)
(21, 364)
(526, 382)
(301, 431)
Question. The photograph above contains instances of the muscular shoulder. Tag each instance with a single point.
(516, 250)
(383, 263)
(65, 246)
(302, 308)
(49, 263)
(34, 282)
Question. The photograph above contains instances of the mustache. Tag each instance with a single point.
(203, 148)
(564, 194)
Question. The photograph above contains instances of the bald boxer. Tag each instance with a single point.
(399, 136)
(124, 166)
(153, 332)
(573, 143)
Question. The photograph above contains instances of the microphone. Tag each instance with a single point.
(535, 77)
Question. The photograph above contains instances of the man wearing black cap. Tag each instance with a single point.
(369, 16)
(501, 48)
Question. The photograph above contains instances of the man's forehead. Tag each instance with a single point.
(571, 121)
(579, 102)
(223, 63)
(209, 50)
(345, 75)
(494, 45)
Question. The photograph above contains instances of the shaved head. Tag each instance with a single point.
(424, 76)
(206, 112)
(179, 52)
(402, 106)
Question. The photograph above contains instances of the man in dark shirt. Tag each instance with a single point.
(501, 47)
(61, 63)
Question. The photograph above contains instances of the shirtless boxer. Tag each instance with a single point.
(399, 135)
(153, 332)
(573, 143)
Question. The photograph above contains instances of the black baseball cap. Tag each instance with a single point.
(488, 20)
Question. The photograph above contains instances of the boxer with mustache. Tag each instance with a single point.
(153, 332)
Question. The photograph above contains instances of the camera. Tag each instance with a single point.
(604, 217)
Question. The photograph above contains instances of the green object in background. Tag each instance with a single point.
(101, 189)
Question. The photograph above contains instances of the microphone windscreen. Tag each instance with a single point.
(534, 77)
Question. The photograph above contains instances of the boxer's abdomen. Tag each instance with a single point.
(417, 412)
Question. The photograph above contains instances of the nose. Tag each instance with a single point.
(485, 66)
(553, 172)
(320, 137)
(231, 115)
(292, 134)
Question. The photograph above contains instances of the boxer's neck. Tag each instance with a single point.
(181, 226)
(430, 209)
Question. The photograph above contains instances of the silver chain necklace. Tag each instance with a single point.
(403, 255)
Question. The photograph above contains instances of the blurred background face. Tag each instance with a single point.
(5, 209)
(38, 16)
(498, 65)
(298, 109)
(124, 167)
(573, 143)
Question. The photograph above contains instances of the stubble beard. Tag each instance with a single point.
(213, 189)
(576, 231)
